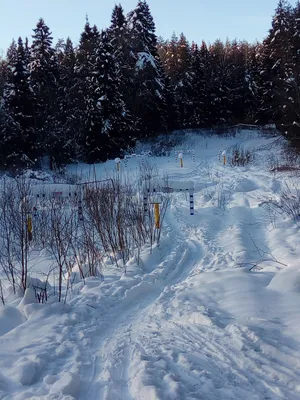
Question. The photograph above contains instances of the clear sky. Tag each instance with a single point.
(197, 19)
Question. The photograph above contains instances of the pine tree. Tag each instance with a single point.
(67, 100)
(198, 115)
(276, 59)
(149, 103)
(292, 111)
(114, 134)
(18, 105)
(87, 114)
(125, 60)
(43, 81)
(3, 75)
(236, 81)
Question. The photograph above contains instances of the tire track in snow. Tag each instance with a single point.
(117, 331)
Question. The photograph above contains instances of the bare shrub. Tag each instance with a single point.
(14, 234)
(63, 225)
(1, 293)
(289, 202)
(239, 157)
(114, 212)
(265, 257)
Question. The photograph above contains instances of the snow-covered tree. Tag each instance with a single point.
(149, 105)
(18, 104)
(44, 81)
(276, 69)
(114, 129)
(68, 145)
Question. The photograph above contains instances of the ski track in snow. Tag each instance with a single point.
(195, 324)
(166, 356)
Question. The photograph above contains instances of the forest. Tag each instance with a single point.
(93, 100)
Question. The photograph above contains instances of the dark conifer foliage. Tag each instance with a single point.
(86, 76)
(92, 101)
(44, 84)
(18, 138)
(149, 103)
(124, 57)
(68, 147)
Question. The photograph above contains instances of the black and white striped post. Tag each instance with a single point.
(80, 213)
(145, 202)
(192, 211)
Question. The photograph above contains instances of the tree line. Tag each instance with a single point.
(92, 101)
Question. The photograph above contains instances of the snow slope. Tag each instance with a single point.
(191, 321)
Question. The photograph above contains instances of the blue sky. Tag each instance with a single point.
(198, 19)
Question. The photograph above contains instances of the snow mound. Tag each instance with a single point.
(27, 370)
(10, 318)
(29, 298)
(245, 185)
(286, 281)
(67, 384)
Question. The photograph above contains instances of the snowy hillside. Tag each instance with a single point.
(213, 312)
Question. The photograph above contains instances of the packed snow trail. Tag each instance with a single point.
(191, 321)
(118, 329)
(161, 349)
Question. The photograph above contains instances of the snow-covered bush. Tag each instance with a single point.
(289, 202)
(239, 157)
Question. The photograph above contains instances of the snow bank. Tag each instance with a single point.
(10, 318)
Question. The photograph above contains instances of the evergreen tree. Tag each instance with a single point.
(125, 60)
(67, 100)
(198, 98)
(149, 103)
(292, 111)
(86, 87)
(183, 80)
(44, 81)
(18, 105)
(3, 75)
(114, 133)
(276, 59)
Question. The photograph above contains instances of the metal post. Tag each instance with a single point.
(80, 213)
(191, 203)
(145, 200)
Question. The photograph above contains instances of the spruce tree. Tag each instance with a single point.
(44, 81)
(276, 59)
(88, 118)
(119, 37)
(18, 104)
(115, 132)
(67, 100)
(149, 103)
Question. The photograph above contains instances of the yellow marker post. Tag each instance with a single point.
(29, 228)
(180, 155)
(156, 216)
(224, 157)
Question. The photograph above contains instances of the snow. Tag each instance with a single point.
(143, 59)
(194, 319)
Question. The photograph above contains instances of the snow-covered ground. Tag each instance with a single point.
(194, 320)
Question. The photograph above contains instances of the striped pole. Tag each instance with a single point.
(80, 214)
(191, 203)
(145, 202)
